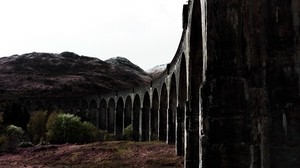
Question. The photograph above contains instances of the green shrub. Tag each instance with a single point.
(37, 127)
(14, 136)
(90, 133)
(128, 132)
(64, 128)
(67, 128)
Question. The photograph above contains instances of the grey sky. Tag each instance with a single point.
(147, 32)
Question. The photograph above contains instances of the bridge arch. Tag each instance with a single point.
(119, 116)
(136, 117)
(154, 115)
(163, 113)
(93, 113)
(102, 115)
(172, 110)
(128, 112)
(196, 71)
(145, 117)
(181, 110)
(111, 116)
(84, 110)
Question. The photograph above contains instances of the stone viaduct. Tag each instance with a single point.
(230, 96)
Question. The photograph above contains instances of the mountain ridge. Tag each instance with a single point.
(51, 74)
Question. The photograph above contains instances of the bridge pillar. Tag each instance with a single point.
(145, 124)
(180, 132)
(192, 138)
(115, 122)
(158, 126)
(171, 127)
(136, 118)
(140, 125)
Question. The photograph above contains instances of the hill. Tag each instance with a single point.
(66, 74)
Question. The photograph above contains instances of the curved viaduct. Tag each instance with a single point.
(230, 96)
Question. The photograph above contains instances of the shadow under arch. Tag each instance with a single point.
(172, 110)
(154, 116)
(128, 112)
(93, 113)
(111, 116)
(84, 110)
(163, 113)
(102, 115)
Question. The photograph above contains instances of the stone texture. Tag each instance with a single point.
(251, 91)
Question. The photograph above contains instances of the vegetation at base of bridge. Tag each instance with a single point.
(58, 127)
(113, 154)
(55, 128)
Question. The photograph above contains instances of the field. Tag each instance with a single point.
(110, 154)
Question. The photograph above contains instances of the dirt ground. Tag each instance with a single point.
(111, 154)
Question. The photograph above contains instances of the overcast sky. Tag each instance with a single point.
(147, 32)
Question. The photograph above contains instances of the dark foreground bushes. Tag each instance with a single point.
(67, 128)
(60, 128)
(56, 128)
(11, 137)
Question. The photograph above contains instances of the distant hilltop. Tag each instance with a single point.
(67, 74)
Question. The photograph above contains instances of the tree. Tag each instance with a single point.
(37, 127)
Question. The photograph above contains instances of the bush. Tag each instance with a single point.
(14, 136)
(128, 132)
(37, 127)
(90, 133)
(65, 128)
(14, 131)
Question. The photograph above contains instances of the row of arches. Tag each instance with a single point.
(157, 114)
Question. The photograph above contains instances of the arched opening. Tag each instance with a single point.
(83, 110)
(102, 114)
(163, 113)
(154, 116)
(119, 116)
(128, 112)
(40, 105)
(75, 107)
(181, 110)
(93, 112)
(145, 117)
(111, 116)
(172, 110)
(49, 106)
(136, 117)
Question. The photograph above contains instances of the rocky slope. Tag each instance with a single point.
(66, 74)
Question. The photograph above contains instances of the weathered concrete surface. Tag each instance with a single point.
(250, 98)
